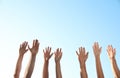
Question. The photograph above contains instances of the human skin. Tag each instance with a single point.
(58, 56)
(47, 56)
(22, 51)
(97, 52)
(111, 54)
(82, 57)
(33, 50)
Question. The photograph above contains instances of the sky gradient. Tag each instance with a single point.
(65, 24)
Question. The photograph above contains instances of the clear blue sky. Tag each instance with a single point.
(66, 24)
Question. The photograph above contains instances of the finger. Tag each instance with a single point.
(20, 46)
(79, 49)
(108, 47)
(100, 49)
(55, 54)
(83, 50)
(37, 45)
(36, 42)
(46, 49)
(51, 55)
(60, 55)
(87, 54)
(94, 45)
(114, 51)
(107, 50)
(50, 49)
(60, 50)
(97, 45)
(111, 48)
(29, 47)
(23, 44)
(77, 53)
(43, 51)
(57, 50)
(26, 50)
(26, 43)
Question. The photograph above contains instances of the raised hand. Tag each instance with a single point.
(111, 51)
(31, 64)
(22, 49)
(96, 49)
(58, 55)
(82, 55)
(47, 54)
(35, 47)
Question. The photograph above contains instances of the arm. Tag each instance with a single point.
(22, 51)
(58, 55)
(111, 53)
(47, 56)
(97, 51)
(31, 64)
(82, 57)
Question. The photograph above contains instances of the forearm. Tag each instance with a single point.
(83, 72)
(30, 67)
(45, 70)
(99, 68)
(115, 68)
(58, 70)
(18, 66)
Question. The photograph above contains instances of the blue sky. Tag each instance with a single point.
(65, 24)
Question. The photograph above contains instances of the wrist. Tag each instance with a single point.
(33, 55)
(46, 60)
(97, 57)
(46, 63)
(57, 62)
(112, 59)
(82, 64)
(82, 61)
(21, 55)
